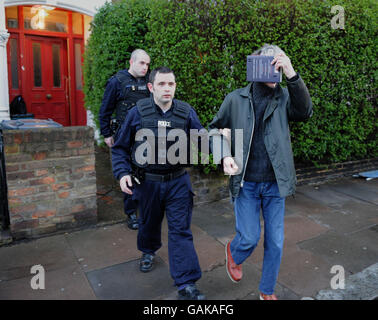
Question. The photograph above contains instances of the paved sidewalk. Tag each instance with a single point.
(331, 224)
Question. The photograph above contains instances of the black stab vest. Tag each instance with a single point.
(151, 119)
(132, 92)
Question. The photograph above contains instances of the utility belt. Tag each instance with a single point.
(164, 177)
(140, 174)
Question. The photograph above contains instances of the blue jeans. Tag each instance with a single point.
(252, 197)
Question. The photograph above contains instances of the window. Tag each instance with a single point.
(56, 64)
(13, 46)
(77, 23)
(12, 17)
(78, 69)
(37, 65)
(45, 18)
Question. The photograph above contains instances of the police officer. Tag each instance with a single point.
(122, 92)
(163, 186)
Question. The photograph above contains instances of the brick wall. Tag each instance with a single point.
(214, 186)
(208, 187)
(323, 173)
(51, 179)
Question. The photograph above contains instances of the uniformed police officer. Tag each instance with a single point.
(122, 92)
(161, 185)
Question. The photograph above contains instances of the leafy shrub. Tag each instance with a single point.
(116, 30)
(206, 44)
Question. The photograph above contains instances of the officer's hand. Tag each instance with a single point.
(109, 141)
(125, 183)
(229, 166)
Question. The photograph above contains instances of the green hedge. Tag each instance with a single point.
(116, 30)
(206, 43)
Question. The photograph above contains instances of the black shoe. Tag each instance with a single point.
(146, 262)
(190, 292)
(132, 222)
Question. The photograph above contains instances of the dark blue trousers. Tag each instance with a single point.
(129, 205)
(175, 198)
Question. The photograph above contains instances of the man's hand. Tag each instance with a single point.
(109, 141)
(227, 133)
(283, 61)
(229, 166)
(125, 183)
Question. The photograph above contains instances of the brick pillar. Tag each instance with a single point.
(51, 179)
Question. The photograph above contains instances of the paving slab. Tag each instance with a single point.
(210, 252)
(105, 246)
(304, 272)
(125, 281)
(51, 252)
(288, 210)
(282, 293)
(69, 283)
(341, 250)
(216, 218)
(360, 286)
(366, 239)
(346, 216)
(305, 206)
(349, 217)
(326, 195)
(356, 188)
(216, 285)
(299, 228)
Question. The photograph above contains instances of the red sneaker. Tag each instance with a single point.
(234, 271)
(268, 296)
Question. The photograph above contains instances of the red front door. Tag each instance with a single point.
(47, 78)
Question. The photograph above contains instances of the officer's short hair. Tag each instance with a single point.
(136, 53)
(268, 50)
(159, 70)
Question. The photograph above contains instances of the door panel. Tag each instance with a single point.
(46, 87)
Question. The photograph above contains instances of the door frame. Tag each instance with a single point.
(70, 38)
(29, 85)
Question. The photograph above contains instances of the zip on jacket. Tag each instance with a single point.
(250, 141)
